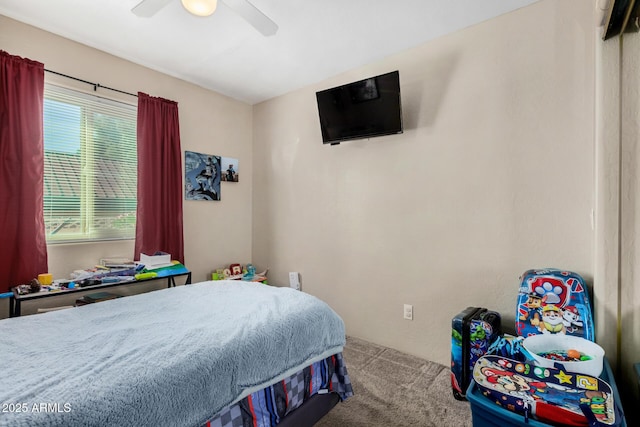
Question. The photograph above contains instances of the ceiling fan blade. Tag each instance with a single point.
(254, 16)
(148, 8)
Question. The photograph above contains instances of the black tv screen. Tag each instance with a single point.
(362, 109)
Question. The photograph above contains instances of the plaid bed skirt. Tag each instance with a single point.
(266, 407)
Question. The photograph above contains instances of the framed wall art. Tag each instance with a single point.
(230, 169)
(202, 176)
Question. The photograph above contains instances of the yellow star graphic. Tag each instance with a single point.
(563, 378)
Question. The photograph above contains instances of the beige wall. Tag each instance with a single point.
(215, 233)
(493, 175)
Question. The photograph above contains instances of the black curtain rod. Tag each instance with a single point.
(95, 85)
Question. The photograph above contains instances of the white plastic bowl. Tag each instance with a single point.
(542, 343)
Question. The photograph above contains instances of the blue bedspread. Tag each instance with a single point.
(170, 357)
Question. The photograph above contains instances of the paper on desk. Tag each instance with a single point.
(152, 262)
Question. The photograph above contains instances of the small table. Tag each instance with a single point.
(15, 307)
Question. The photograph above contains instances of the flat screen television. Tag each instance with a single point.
(362, 109)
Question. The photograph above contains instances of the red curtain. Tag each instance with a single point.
(23, 251)
(159, 217)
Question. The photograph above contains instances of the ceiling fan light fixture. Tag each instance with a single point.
(200, 7)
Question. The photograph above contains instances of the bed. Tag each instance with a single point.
(218, 353)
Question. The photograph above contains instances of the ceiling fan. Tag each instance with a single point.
(253, 15)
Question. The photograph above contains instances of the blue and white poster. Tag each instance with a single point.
(202, 176)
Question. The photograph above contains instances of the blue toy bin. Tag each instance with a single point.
(485, 413)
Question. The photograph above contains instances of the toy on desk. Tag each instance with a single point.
(218, 274)
(251, 272)
(30, 288)
(550, 395)
(248, 273)
(142, 276)
(235, 269)
(45, 279)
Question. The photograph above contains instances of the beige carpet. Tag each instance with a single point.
(394, 389)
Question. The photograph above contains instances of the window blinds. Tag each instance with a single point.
(90, 171)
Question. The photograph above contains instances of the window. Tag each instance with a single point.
(90, 167)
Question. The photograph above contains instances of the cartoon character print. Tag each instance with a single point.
(518, 386)
(525, 387)
(480, 336)
(537, 385)
(456, 360)
(514, 384)
(533, 305)
(547, 297)
(552, 321)
(552, 290)
(478, 340)
(571, 319)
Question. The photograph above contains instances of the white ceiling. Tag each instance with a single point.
(316, 39)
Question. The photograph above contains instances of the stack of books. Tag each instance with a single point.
(117, 263)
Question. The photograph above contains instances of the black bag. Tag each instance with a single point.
(473, 331)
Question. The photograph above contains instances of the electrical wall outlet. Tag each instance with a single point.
(294, 280)
(408, 311)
